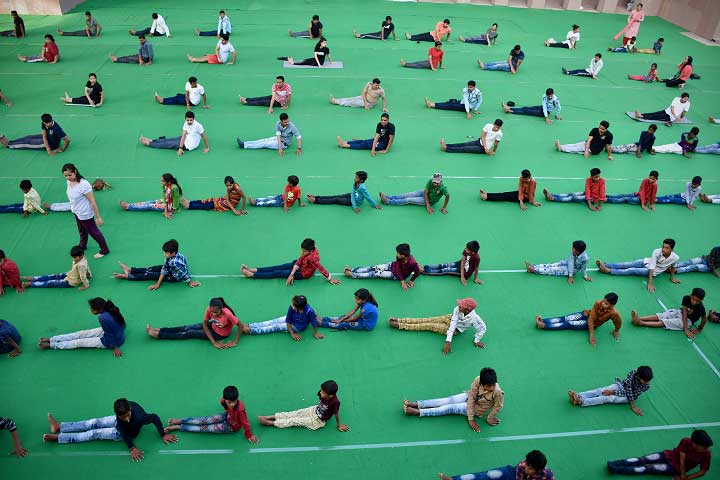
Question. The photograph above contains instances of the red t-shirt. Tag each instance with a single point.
(223, 324)
(50, 51)
(292, 194)
(237, 418)
(692, 458)
(435, 56)
(472, 261)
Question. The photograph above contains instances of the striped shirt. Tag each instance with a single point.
(7, 424)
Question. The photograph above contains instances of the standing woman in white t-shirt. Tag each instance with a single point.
(83, 206)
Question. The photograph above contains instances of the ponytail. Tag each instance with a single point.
(107, 306)
(219, 302)
(169, 178)
(365, 295)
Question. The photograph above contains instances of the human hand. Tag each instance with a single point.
(404, 285)
(295, 336)
(463, 281)
(206, 149)
(290, 279)
(318, 336)
(637, 411)
(548, 121)
(136, 454)
(19, 451)
(473, 424)
(343, 428)
(479, 345)
(690, 334)
(193, 284)
(478, 281)
(372, 152)
(180, 151)
(334, 281)
(571, 280)
(586, 154)
(587, 279)
(593, 342)
(447, 348)
(254, 440)
(16, 351)
(117, 352)
(154, 286)
(356, 210)
(430, 210)
(492, 421)
(523, 207)
(169, 438)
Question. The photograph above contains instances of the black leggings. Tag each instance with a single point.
(307, 61)
(505, 197)
(261, 101)
(422, 37)
(674, 82)
(558, 45)
(343, 199)
(660, 116)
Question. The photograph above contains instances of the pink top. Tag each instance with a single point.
(685, 72)
(633, 25)
(282, 93)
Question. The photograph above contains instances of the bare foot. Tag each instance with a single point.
(571, 396)
(557, 145)
(356, 34)
(347, 271)
(124, 205)
(428, 103)
(113, 58)
(341, 143)
(711, 119)
(383, 198)
(153, 332)
(602, 267)
(482, 65)
(529, 267)
(704, 198)
(124, 267)
(393, 323)
(247, 273)
(243, 100)
(462, 39)
(333, 100)
(190, 59)
(290, 32)
(539, 323)
(407, 35)
(443, 145)
(50, 437)
(197, 31)
(634, 317)
(54, 424)
(21, 57)
(548, 195)
(638, 114)
(265, 421)
(27, 284)
(402, 62)
(145, 141)
(441, 475)
(131, 31)
(185, 202)
(158, 98)
(311, 198)
(483, 194)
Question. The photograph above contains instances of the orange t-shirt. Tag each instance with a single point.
(440, 31)
(292, 194)
(435, 56)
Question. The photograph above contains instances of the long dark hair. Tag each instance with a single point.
(219, 302)
(168, 177)
(365, 295)
(686, 62)
(101, 305)
(69, 167)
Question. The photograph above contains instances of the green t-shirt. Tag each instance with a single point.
(435, 192)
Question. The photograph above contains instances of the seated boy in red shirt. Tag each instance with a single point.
(233, 419)
(9, 274)
(300, 269)
(677, 462)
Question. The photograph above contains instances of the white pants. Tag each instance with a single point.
(573, 147)
(351, 102)
(60, 207)
(669, 148)
(263, 143)
(82, 339)
(672, 319)
(714, 198)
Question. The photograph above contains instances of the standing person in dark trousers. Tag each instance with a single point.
(157, 29)
(471, 100)
(92, 28)
(442, 31)
(599, 139)
(50, 138)
(387, 28)
(315, 29)
(94, 94)
(524, 194)
(380, 143)
(18, 27)
(434, 61)
(144, 56)
(224, 27)
(487, 143)
(550, 105)
(131, 417)
(82, 204)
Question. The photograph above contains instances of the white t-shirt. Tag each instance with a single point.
(79, 204)
(224, 51)
(193, 134)
(194, 93)
(679, 108)
(659, 263)
(571, 38)
(490, 136)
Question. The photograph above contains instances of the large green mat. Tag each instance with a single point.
(377, 370)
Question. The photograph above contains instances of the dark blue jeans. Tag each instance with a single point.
(473, 146)
(146, 273)
(178, 99)
(653, 464)
(451, 104)
(187, 332)
(535, 111)
(501, 473)
(208, 204)
(277, 271)
(169, 143)
(13, 208)
(365, 144)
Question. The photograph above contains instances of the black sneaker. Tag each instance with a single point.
(241, 144)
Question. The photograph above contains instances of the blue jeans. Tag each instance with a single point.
(497, 66)
(102, 428)
(277, 271)
(630, 198)
(452, 268)
(577, 197)
(452, 104)
(147, 273)
(535, 111)
(558, 269)
(28, 142)
(410, 198)
(653, 464)
(178, 99)
(481, 39)
(365, 144)
(12, 208)
(572, 321)
(213, 33)
(270, 326)
(50, 281)
(145, 206)
(208, 204)
(327, 322)
(271, 201)
(501, 473)
(169, 143)
(714, 148)
(436, 407)
(187, 332)
(697, 264)
(636, 267)
(595, 397)
(209, 424)
(675, 198)
(581, 72)
(374, 271)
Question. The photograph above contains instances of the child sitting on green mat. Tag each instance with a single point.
(78, 276)
(301, 269)
(287, 199)
(362, 317)
(621, 391)
(467, 266)
(313, 417)
(404, 268)
(602, 311)
(174, 269)
(577, 262)
(691, 310)
(299, 315)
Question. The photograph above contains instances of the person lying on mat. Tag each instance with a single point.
(675, 112)
(321, 52)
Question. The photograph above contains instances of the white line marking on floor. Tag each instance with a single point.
(695, 346)
(365, 446)
(606, 431)
(197, 452)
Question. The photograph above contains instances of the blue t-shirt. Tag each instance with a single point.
(113, 332)
(55, 134)
(8, 330)
(515, 57)
(300, 320)
(369, 315)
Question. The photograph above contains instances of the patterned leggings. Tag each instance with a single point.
(439, 324)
